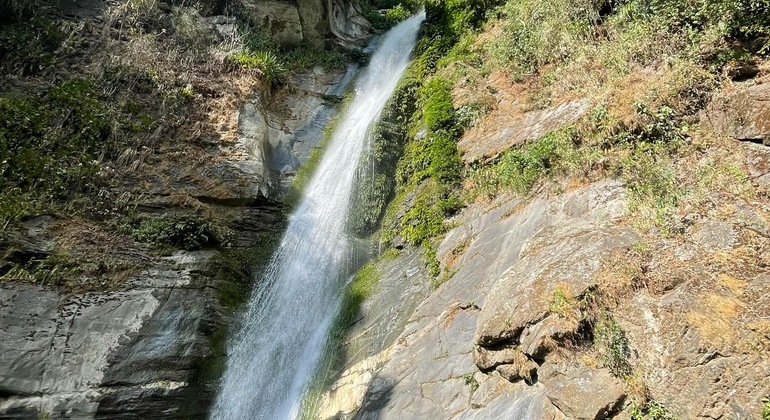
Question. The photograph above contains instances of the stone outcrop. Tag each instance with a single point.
(742, 112)
(103, 355)
(339, 22)
(428, 371)
(153, 345)
(514, 126)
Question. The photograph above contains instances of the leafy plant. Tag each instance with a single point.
(176, 233)
(651, 410)
(613, 346)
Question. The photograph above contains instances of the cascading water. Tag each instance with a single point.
(274, 356)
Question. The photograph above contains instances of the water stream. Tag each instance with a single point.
(273, 358)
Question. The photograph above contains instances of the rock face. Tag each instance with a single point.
(102, 355)
(515, 126)
(428, 371)
(742, 113)
(153, 346)
(315, 21)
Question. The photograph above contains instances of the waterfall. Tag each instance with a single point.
(274, 356)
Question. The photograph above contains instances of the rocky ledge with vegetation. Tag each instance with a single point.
(579, 222)
(145, 152)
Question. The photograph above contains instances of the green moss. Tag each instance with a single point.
(438, 110)
(72, 126)
(239, 268)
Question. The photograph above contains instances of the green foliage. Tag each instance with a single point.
(272, 70)
(176, 233)
(651, 410)
(436, 101)
(240, 267)
(383, 19)
(360, 288)
(560, 304)
(539, 32)
(424, 219)
(259, 51)
(71, 126)
(55, 270)
(28, 47)
(739, 19)
(612, 344)
(766, 408)
(519, 170)
(471, 381)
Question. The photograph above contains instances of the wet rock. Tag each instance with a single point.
(584, 393)
(742, 113)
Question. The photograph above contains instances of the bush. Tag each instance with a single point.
(176, 233)
(71, 125)
(28, 47)
(538, 32)
(613, 346)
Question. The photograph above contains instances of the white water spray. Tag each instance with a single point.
(273, 358)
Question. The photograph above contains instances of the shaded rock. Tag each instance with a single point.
(278, 19)
(540, 339)
(520, 129)
(742, 113)
(581, 392)
(522, 368)
(347, 23)
(490, 358)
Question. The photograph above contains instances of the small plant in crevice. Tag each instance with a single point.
(470, 380)
(766, 408)
(176, 233)
(650, 410)
(612, 344)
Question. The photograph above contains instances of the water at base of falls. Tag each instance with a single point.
(273, 358)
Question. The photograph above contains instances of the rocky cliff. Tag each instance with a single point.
(116, 302)
(575, 232)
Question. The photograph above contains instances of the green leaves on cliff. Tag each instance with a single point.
(50, 146)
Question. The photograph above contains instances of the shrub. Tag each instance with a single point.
(176, 233)
(537, 32)
(71, 125)
(651, 410)
(28, 47)
(612, 344)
